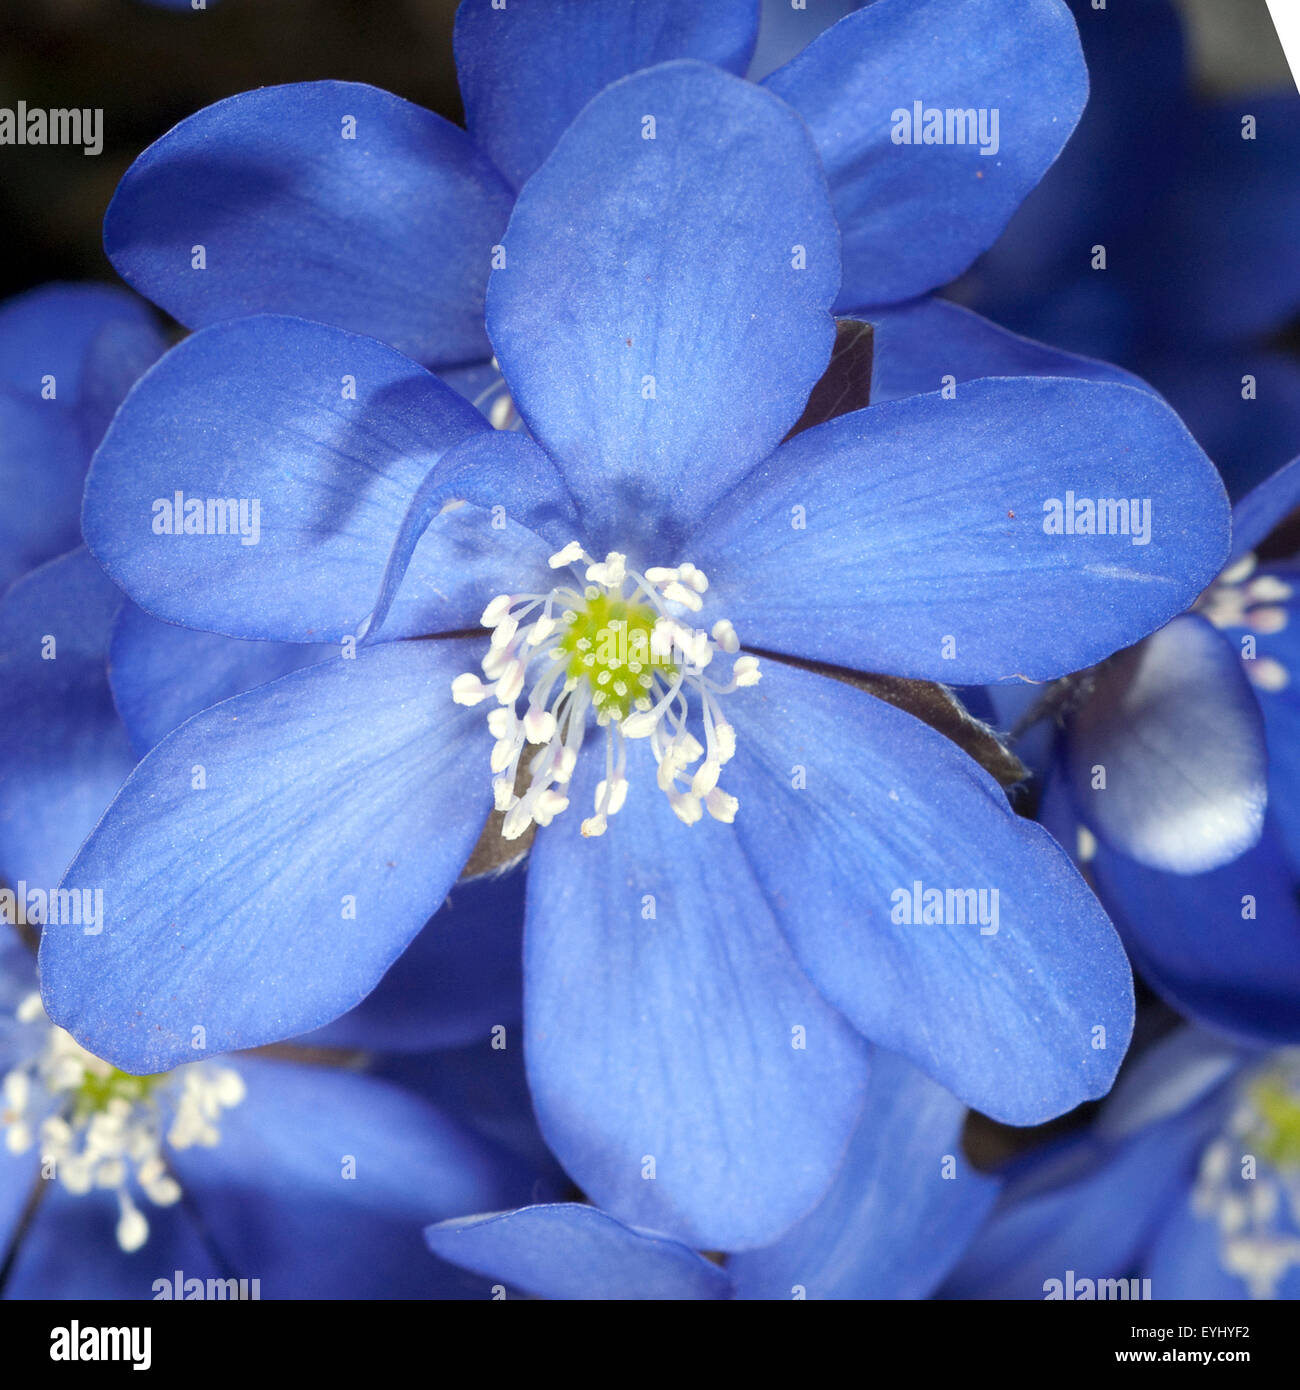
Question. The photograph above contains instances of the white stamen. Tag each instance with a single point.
(649, 693)
(102, 1130)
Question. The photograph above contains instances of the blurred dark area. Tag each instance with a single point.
(148, 68)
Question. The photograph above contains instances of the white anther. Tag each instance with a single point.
(721, 805)
(593, 826)
(726, 742)
(658, 574)
(688, 598)
(611, 573)
(539, 725)
(496, 610)
(568, 556)
(1266, 620)
(504, 632)
(1267, 674)
(617, 795)
(511, 682)
(746, 671)
(685, 806)
(467, 689)
(725, 636)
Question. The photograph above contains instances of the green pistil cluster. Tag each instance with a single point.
(1276, 1133)
(608, 642)
(96, 1092)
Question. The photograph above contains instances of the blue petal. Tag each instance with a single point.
(910, 538)
(1265, 506)
(897, 1217)
(93, 340)
(459, 978)
(336, 807)
(282, 1202)
(915, 215)
(846, 803)
(1084, 1207)
(526, 70)
(663, 1012)
(63, 750)
(1174, 726)
(677, 277)
(42, 467)
(256, 409)
(71, 1250)
(1190, 938)
(918, 344)
(162, 674)
(568, 1251)
(387, 231)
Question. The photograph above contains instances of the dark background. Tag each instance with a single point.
(149, 68)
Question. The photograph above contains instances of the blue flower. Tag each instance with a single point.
(344, 204)
(248, 1177)
(696, 995)
(896, 1219)
(1195, 202)
(1187, 1184)
(1166, 764)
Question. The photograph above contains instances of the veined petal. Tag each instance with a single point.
(329, 200)
(670, 1030)
(268, 861)
(289, 453)
(943, 538)
(916, 211)
(162, 674)
(663, 311)
(527, 69)
(851, 812)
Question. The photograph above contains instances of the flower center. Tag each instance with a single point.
(99, 1127)
(613, 646)
(1249, 1179)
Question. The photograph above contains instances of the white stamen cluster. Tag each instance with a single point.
(1258, 1217)
(97, 1128)
(538, 644)
(1240, 598)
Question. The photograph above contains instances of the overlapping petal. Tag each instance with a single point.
(268, 861)
(850, 809)
(332, 200)
(663, 311)
(915, 538)
(685, 1072)
(915, 213)
(527, 69)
